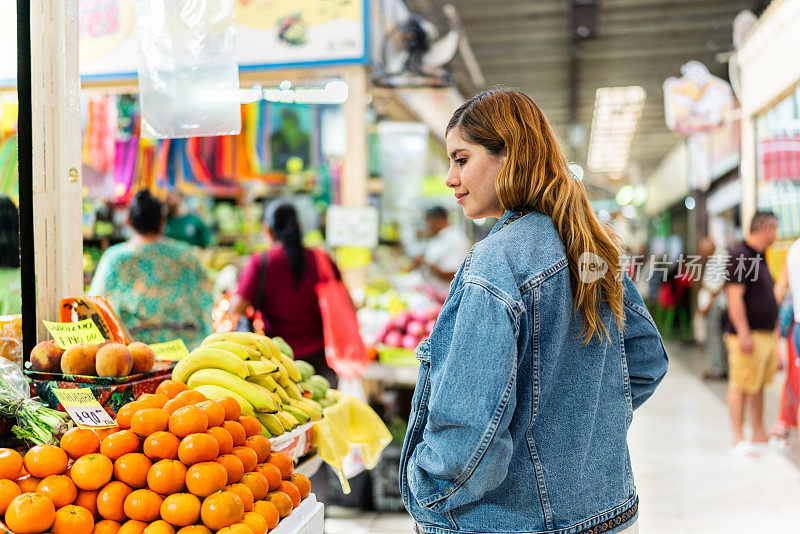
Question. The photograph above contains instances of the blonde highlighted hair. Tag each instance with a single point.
(535, 177)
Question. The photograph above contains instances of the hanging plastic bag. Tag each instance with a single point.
(188, 72)
(345, 351)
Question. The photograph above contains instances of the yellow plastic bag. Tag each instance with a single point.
(350, 424)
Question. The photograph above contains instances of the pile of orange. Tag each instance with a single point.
(178, 463)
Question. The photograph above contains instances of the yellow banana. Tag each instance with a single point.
(209, 358)
(283, 376)
(251, 392)
(264, 380)
(298, 414)
(217, 392)
(268, 393)
(230, 346)
(260, 368)
(287, 420)
(291, 368)
(272, 349)
(282, 394)
(293, 391)
(312, 409)
(246, 339)
(271, 423)
(266, 433)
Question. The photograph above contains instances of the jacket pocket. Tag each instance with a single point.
(416, 420)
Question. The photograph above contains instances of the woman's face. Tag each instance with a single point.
(472, 175)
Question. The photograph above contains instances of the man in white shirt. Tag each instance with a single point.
(444, 253)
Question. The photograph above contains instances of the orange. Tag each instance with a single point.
(205, 478)
(143, 505)
(224, 439)
(257, 483)
(149, 420)
(77, 442)
(237, 432)
(174, 405)
(28, 484)
(233, 466)
(58, 488)
(72, 519)
(248, 456)
(30, 513)
(236, 528)
(195, 529)
(244, 494)
(188, 420)
(256, 522)
(159, 527)
(88, 499)
(161, 446)
(157, 400)
(10, 464)
(261, 445)
(281, 501)
(171, 388)
(302, 482)
(132, 469)
(191, 397)
(106, 526)
(282, 462)
(111, 500)
(181, 509)
(119, 443)
(291, 490)
(92, 471)
(125, 414)
(214, 412)
(167, 477)
(221, 509)
(132, 527)
(233, 410)
(8, 491)
(272, 473)
(269, 512)
(103, 432)
(45, 460)
(196, 448)
(251, 425)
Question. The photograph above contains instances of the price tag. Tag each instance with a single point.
(68, 334)
(83, 408)
(171, 350)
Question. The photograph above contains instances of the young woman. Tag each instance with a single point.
(542, 351)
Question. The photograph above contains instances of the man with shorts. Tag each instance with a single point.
(750, 337)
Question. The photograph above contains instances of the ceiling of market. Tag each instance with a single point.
(527, 45)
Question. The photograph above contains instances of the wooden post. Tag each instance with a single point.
(354, 176)
(57, 191)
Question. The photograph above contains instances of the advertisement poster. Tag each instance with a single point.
(697, 101)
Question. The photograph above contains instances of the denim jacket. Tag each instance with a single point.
(516, 425)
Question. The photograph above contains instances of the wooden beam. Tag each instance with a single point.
(354, 176)
(57, 190)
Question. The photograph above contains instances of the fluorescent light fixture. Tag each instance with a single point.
(616, 113)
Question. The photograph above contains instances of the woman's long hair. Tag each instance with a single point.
(281, 218)
(9, 234)
(535, 177)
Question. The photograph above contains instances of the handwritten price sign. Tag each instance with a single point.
(171, 350)
(68, 334)
(83, 408)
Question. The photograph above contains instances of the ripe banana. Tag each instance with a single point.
(271, 423)
(287, 420)
(283, 375)
(261, 368)
(282, 394)
(209, 358)
(245, 339)
(266, 433)
(270, 394)
(291, 368)
(230, 346)
(269, 383)
(216, 377)
(217, 392)
(301, 416)
(293, 391)
(312, 409)
(272, 350)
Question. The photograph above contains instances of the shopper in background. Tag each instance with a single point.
(750, 337)
(711, 306)
(289, 276)
(157, 286)
(183, 225)
(521, 409)
(444, 252)
(10, 282)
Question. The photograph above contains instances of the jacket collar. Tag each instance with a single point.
(501, 221)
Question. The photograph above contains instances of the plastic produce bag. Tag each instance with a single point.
(34, 421)
(188, 72)
(11, 338)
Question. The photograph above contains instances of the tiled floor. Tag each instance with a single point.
(687, 479)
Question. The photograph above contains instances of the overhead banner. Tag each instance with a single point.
(697, 101)
(269, 34)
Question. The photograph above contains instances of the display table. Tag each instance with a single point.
(308, 518)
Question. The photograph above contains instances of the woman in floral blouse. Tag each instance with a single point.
(156, 285)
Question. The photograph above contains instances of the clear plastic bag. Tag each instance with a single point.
(11, 338)
(188, 71)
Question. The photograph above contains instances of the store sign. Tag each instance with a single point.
(352, 227)
(171, 350)
(83, 408)
(68, 334)
(696, 102)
